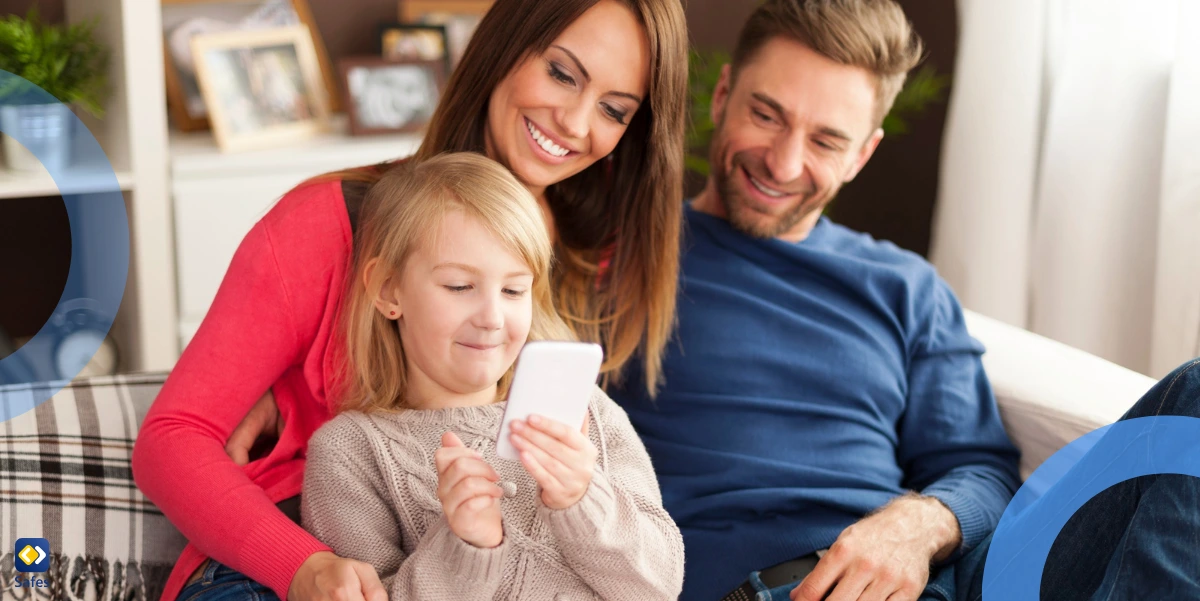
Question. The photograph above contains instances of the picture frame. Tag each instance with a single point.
(183, 19)
(262, 87)
(460, 17)
(390, 96)
(414, 41)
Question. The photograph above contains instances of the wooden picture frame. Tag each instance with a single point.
(292, 104)
(415, 85)
(429, 42)
(182, 91)
(460, 17)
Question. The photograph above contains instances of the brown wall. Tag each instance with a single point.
(51, 10)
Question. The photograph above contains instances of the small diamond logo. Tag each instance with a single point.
(31, 555)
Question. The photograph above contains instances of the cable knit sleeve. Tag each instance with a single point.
(348, 505)
(618, 538)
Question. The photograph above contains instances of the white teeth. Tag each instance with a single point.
(545, 142)
(766, 190)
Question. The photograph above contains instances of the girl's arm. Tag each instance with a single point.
(618, 538)
(348, 503)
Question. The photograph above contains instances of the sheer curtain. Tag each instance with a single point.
(1069, 201)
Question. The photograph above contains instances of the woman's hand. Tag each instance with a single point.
(560, 459)
(469, 495)
(327, 577)
(261, 423)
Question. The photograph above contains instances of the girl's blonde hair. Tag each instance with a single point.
(402, 211)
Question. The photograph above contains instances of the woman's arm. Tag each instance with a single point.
(249, 338)
(618, 538)
(347, 503)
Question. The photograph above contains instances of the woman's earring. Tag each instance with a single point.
(393, 313)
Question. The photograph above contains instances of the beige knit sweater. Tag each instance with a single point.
(370, 494)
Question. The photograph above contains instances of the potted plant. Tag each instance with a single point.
(66, 62)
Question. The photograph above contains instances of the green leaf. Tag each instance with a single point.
(65, 61)
(696, 163)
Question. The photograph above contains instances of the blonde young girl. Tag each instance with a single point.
(450, 279)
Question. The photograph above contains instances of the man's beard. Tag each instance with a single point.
(740, 210)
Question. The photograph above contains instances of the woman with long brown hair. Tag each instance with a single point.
(584, 102)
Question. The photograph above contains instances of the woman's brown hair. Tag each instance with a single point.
(625, 211)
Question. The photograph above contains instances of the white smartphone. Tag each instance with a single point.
(554, 379)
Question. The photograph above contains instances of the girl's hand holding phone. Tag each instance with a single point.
(468, 492)
(558, 457)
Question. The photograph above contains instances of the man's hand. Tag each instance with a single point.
(560, 459)
(885, 556)
(327, 577)
(262, 422)
(468, 492)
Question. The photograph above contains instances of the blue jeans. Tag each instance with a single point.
(223, 583)
(1137, 540)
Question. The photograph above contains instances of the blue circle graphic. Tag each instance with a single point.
(99, 252)
(1070, 478)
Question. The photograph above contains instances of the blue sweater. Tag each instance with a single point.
(809, 384)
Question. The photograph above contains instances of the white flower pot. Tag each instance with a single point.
(46, 128)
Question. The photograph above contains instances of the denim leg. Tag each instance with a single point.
(1176, 394)
(1159, 556)
(222, 583)
(1139, 535)
(1135, 540)
(1081, 552)
(961, 580)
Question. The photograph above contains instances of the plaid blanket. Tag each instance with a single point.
(65, 476)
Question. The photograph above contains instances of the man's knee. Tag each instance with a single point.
(1176, 394)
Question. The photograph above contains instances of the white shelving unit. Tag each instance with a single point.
(133, 135)
(218, 197)
(15, 184)
(189, 204)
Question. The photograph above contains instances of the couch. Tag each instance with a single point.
(66, 474)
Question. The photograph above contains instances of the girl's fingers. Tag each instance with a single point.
(540, 474)
(464, 468)
(555, 467)
(468, 489)
(450, 439)
(559, 432)
(445, 456)
(542, 440)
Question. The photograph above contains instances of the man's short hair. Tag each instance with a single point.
(870, 34)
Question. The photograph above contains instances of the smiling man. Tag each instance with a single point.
(824, 393)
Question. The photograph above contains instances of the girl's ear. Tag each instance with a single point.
(383, 288)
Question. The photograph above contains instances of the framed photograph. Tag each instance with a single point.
(385, 96)
(413, 42)
(460, 17)
(261, 87)
(184, 19)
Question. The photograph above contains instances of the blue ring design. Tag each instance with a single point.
(99, 251)
(1070, 478)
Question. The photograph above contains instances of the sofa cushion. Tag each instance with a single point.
(1049, 393)
(65, 476)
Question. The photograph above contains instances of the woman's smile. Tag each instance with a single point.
(547, 146)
